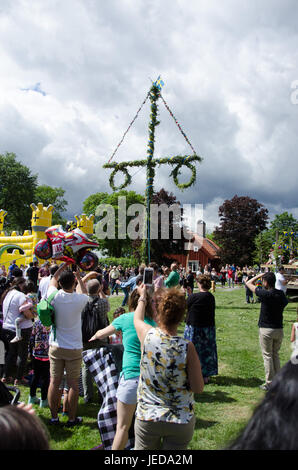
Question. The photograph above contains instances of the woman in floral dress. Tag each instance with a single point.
(170, 373)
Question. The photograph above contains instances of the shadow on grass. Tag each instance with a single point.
(226, 381)
(245, 306)
(203, 424)
(90, 411)
(61, 432)
(213, 397)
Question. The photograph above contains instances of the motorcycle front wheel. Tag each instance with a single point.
(88, 262)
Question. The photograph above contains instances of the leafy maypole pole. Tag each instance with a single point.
(150, 163)
(154, 95)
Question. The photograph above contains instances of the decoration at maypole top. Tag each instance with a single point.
(176, 161)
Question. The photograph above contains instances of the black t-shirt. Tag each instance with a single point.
(201, 310)
(273, 302)
(190, 280)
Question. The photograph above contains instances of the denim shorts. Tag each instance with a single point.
(127, 390)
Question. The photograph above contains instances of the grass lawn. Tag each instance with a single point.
(227, 401)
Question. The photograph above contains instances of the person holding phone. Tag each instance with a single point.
(170, 372)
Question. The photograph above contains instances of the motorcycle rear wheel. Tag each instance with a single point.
(88, 262)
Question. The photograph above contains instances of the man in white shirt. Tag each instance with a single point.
(45, 282)
(65, 350)
(113, 276)
(281, 282)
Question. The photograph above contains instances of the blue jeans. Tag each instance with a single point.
(114, 286)
(126, 294)
(249, 296)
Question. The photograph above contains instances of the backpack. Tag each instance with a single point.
(46, 312)
(93, 319)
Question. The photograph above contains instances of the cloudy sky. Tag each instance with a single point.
(75, 72)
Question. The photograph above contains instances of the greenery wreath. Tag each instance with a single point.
(126, 182)
(176, 172)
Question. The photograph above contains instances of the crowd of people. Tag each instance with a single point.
(161, 370)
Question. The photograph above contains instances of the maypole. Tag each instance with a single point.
(154, 95)
(150, 163)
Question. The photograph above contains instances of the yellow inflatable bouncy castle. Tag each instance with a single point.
(21, 247)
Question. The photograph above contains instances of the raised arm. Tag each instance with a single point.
(138, 319)
(81, 287)
(250, 284)
(90, 275)
(55, 278)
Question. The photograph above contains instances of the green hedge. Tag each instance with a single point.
(124, 262)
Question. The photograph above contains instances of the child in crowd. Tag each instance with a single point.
(258, 283)
(249, 294)
(116, 338)
(31, 304)
(39, 350)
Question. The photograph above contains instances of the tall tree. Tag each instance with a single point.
(172, 221)
(117, 243)
(17, 189)
(241, 220)
(55, 196)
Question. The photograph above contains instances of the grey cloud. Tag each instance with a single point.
(227, 69)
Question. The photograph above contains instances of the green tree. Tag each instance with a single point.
(281, 233)
(284, 222)
(17, 189)
(241, 220)
(120, 245)
(263, 243)
(55, 196)
(93, 201)
(171, 245)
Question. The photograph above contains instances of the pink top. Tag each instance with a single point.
(158, 282)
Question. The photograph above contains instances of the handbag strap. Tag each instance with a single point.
(7, 311)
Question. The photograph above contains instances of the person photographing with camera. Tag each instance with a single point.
(170, 372)
(65, 351)
(273, 301)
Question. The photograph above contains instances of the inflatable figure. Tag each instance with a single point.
(73, 247)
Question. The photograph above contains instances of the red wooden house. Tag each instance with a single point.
(200, 251)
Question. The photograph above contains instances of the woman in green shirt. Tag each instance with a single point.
(129, 377)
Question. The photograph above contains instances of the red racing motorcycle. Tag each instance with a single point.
(72, 247)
